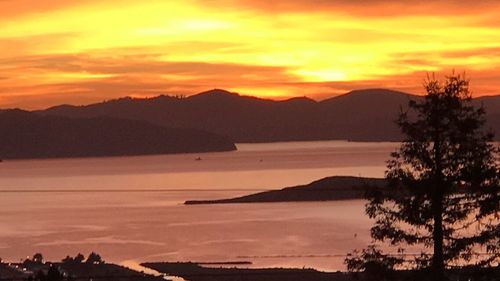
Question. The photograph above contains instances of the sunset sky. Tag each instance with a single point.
(78, 52)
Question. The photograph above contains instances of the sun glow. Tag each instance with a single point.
(294, 49)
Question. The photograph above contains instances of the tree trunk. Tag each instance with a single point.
(437, 235)
(437, 209)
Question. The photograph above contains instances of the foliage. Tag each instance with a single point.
(373, 262)
(53, 274)
(94, 258)
(37, 258)
(79, 258)
(443, 183)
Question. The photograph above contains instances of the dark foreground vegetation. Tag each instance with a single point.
(330, 188)
(443, 191)
(29, 135)
(77, 268)
(94, 268)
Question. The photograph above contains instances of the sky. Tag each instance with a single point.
(80, 52)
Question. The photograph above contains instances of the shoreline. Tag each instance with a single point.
(193, 271)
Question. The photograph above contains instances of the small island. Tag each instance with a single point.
(326, 189)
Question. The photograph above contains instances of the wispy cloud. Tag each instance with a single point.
(85, 51)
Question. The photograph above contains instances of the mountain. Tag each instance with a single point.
(30, 135)
(330, 188)
(366, 115)
(492, 106)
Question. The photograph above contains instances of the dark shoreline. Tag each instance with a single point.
(196, 272)
(219, 271)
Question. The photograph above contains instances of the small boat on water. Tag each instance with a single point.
(197, 159)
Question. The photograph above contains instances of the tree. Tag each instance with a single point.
(38, 258)
(94, 258)
(68, 260)
(79, 258)
(443, 184)
(53, 274)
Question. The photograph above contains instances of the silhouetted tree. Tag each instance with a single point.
(94, 258)
(38, 258)
(79, 258)
(53, 274)
(68, 260)
(40, 276)
(443, 190)
(376, 265)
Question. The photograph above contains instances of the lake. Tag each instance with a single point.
(129, 209)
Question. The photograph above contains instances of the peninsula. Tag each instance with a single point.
(326, 189)
(27, 135)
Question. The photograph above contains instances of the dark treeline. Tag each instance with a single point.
(93, 267)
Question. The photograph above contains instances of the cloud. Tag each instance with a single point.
(373, 8)
(99, 240)
(136, 64)
(17, 8)
(88, 78)
(20, 45)
(86, 51)
(83, 78)
(489, 52)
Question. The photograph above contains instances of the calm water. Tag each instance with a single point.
(130, 208)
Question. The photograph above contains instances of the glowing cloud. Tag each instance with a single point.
(85, 51)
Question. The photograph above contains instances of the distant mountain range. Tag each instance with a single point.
(362, 115)
(29, 135)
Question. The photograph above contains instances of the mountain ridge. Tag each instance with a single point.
(360, 115)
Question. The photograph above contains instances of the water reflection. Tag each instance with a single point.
(131, 208)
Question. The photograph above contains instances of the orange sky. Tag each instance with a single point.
(90, 50)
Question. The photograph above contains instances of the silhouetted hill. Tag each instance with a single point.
(367, 115)
(29, 135)
(492, 106)
(330, 188)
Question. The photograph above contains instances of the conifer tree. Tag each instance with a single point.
(443, 188)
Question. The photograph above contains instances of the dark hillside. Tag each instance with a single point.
(29, 135)
(362, 115)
